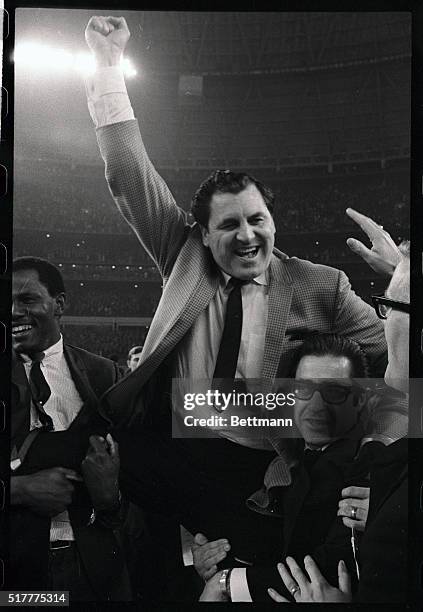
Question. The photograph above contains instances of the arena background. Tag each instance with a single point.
(317, 105)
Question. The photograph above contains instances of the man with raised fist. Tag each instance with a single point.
(233, 306)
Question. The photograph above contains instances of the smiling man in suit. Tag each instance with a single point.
(64, 489)
(233, 306)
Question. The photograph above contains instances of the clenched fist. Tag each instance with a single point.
(107, 38)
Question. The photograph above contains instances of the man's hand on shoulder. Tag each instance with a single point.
(384, 255)
(47, 492)
(100, 470)
(107, 38)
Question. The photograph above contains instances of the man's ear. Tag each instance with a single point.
(59, 306)
(204, 235)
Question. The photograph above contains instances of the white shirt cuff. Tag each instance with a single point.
(108, 100)
(239, 585)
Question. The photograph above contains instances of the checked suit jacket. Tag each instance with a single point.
(29, 533)
(303, 297)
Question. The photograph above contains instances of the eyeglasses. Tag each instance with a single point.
(331, 393)
(384, 305)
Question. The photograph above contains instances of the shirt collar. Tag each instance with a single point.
(55, 351)
(259, 280)
(320, 449)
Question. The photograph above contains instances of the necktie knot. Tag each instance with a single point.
(234, 283)
(37, 357)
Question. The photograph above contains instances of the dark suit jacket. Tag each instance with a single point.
(309, 522)
(383, 550)
(302, 296)
(97, 546)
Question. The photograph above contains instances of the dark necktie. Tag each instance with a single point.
(40, 391)
(227, 357)
(310, 458)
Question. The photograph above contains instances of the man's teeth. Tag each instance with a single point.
(21, 328)
(248, 252)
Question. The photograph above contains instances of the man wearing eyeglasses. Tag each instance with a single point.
(383, 550)
(328, 411)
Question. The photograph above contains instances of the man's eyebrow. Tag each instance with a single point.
(26, 293)
(228, 219)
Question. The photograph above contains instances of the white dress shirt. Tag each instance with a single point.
(62, 406)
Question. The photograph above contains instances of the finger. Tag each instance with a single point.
(75, 478)
(200, 539)
(98, 444)
(98, 24)
(209, 573)
(352, 524)
(344, 580)
(276, 597)
(348, 504)
(297, 573)
(118, 23)
(313, 570)
(359, 248)
(112, 446)
(214, 559)
(366, 223)
(357, 492)
(287, 578)
(68, 473)
(216, 546)
(359, 516)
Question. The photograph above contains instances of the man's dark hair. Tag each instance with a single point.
(336, 346)
(48, 274)
(225, 181)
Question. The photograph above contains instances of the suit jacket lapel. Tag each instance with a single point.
(80, 378)
(21, 403)
(280, 296)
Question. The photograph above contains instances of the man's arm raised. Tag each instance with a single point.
(140, 193)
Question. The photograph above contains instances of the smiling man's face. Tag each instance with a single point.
(35, 313)
(240, 233)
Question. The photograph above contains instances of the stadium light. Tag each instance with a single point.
(41, 57)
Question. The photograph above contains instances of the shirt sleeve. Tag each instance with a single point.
(108, 100)
(239, 585)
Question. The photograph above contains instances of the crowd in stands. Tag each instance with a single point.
(105, 341)
(144, 274)
(82, 203)
(116, 300)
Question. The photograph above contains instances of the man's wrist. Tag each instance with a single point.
(105, 60)
(108, 504)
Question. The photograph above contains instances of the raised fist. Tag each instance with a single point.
(107, 38)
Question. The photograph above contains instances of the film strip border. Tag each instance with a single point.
(6, 189)
(416, 336)
(416, 322)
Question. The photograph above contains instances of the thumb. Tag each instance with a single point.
(358, 247)
(200, 539)
(344, 580)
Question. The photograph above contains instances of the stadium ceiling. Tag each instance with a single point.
(246, 43)
(233, 89)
